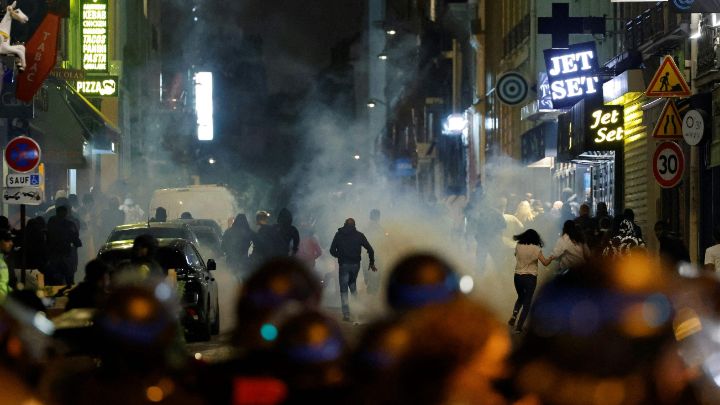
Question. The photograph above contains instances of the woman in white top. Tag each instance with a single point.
(570, 249)
(527, 253)
(712, 254)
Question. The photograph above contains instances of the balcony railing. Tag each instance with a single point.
(654, 29)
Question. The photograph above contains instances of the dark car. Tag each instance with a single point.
(200, 315)
(210, 241)
(200, 222)
(208, 232)
(160, 230)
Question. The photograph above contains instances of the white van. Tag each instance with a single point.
(206, 201)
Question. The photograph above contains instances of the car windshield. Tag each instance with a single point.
(207, 236)
(167, 257)
(159, 233)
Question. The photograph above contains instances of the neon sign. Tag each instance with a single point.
(98, 87)
(605, 127)
(95, 35)
(571, 73)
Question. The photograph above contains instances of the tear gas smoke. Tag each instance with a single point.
(411, 222)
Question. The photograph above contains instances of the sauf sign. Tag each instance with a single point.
(605, 128)
(571, 73)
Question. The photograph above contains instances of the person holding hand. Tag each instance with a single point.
(528, 252)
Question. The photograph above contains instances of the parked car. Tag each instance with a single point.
(197, 222)
(160, 230)
(200, 315)
(209, 235)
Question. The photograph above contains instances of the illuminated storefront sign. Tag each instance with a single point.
(98, 87)
(571, 73)
(605, 127)
(95, 35)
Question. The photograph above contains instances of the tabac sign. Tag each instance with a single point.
(571, 72)
(95, 35)
(605, 128)
(106, 86)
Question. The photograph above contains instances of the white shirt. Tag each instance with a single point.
(527, 259)
(712, 256)
(570, 253)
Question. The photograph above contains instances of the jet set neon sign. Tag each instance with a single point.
(571, 73)
(606, 127)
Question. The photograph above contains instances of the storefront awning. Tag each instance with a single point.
(69, 127)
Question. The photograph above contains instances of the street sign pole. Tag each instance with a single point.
(23, 259)
(22, 155)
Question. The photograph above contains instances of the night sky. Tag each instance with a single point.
(298, 35)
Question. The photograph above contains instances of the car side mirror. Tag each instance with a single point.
(211, 264)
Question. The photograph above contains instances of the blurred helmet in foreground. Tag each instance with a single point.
(455, 353)
(312, 351)
(419, 280)
(138, 324)
(273, 285)
(605, 331)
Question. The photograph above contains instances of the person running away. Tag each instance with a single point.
(528, 252)
(570, 249)
(346, 247)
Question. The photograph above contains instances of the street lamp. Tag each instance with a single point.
(356, 157)
(373, 102)
(390, 31)
(382, 56)
(455, 124)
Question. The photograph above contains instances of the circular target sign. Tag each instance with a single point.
(668, 164)
(512, 88)
(683, 5)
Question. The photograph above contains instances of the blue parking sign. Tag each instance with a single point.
(34, 179)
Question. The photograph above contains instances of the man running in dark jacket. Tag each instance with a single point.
(346, 246)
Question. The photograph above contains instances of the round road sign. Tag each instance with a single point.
(668, 164)
(693, 127)
(512, 88)
(22, 154)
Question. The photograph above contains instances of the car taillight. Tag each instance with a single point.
(258, 391)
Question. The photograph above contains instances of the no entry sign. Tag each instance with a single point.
(22, 154)
(668, 164)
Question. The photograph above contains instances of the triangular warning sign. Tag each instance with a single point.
(669, 125)
(668, 81)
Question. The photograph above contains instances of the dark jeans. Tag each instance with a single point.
(348, 277)
(59, 271)
(525, 287)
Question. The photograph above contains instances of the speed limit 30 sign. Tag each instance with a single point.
(668, 164)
